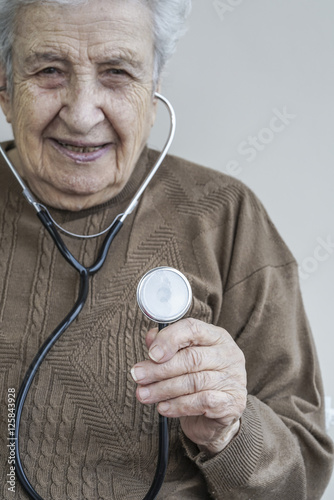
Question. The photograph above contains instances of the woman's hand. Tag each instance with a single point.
(196, 372)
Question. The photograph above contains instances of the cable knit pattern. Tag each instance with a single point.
(84, 435)
(8, 230)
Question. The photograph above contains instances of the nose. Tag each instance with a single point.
(82, 108)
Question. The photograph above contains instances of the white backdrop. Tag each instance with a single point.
(252, 85)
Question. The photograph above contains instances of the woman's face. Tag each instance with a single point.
(82, 104)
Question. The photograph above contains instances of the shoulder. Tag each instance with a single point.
(190, 182)
(190, 170)
(222, 211)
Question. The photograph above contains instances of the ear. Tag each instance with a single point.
(5, 101)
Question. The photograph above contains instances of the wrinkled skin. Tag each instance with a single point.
(196, 372)
(82, 79)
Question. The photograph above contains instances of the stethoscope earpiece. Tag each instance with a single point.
(164, 295)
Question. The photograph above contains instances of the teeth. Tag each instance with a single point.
(77, 149)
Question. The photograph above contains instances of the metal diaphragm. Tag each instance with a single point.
(164, 295)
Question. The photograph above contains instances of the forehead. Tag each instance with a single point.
(97, 28)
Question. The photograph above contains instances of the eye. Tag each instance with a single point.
(115, 77)
(117, 72)
(50, 71)
(51, 77)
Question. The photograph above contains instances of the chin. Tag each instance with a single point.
(75, 192)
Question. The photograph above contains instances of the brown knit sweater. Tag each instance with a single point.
(84, 435)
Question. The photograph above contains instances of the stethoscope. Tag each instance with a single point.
(163, 294)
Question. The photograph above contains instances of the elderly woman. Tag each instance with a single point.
(78, 81)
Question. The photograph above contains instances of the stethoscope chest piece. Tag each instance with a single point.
(164, 295)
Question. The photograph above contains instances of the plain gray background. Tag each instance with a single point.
(252, 86)
(241, 64)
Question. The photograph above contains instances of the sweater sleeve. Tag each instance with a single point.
(282, 450)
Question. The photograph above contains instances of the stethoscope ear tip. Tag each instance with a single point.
(164, 295)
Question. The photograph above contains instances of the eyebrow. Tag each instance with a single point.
(37, 57)
(44, 57)
(118, 61)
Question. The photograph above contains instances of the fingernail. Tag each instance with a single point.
(156, 353)
(144, 393)
(138, 373)
(164, 407)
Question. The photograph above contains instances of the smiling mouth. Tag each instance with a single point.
(80, 149)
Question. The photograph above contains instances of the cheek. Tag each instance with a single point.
(31, 116)
(33, 113)
(131, 116)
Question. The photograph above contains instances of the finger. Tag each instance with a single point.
(150, 336)
(182, 334)
(229, 360)
(185, 385)
(220, 406)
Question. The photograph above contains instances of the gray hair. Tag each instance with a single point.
(169, 17)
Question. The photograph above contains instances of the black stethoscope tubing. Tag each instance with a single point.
(85, 273)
